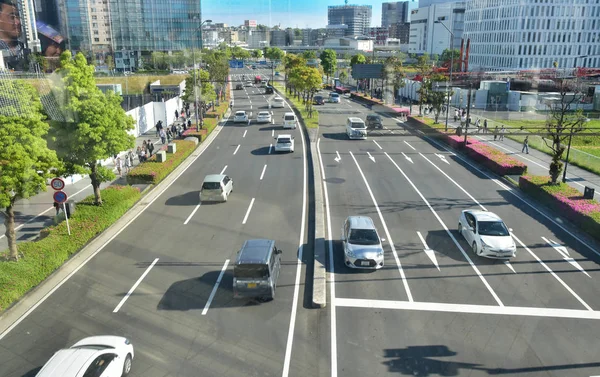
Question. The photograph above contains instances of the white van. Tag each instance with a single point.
(289, 120)
(356, 128)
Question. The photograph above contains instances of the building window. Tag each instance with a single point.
(96, 39)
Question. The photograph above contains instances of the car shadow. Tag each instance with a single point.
(262, 151)
(188, 199)
(271, 128)
(335, 136)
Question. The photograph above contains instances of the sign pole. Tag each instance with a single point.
(66, 217)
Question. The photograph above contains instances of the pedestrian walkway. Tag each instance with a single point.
(538, 163)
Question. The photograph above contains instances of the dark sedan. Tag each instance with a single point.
(374, 121)
(319, 100)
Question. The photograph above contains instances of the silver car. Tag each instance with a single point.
(362, 245)
(263, 117)
(216, 188)
(240, 117)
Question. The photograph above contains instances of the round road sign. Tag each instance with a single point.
(57, 184)
(60, 196)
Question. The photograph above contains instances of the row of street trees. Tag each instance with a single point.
(93, 127)
(301, 80)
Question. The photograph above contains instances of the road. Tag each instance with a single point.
(176, 251)
(436, 308)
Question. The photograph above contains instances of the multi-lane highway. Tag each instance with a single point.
(436, 308)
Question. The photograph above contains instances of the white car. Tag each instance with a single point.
(240, 117)
(278, 102)
(289, 120)
(105, 356)
(487, 234)
(334, 98)
(362, 244)
(263, 117)
(216, 188)
(248, 83)
(285, 143)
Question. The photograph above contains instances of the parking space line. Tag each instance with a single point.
(223, 171)
(467, 308)
(214, 290)
(439, 219)
(385, 228)
(263, 172)
(135, 286)
(191, 215)
(236, 149)
(248, 211)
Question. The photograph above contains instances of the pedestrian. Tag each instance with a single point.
(485, 129)
(176, 114)
(119, 164)
(158, 128)
(502, 131)
(456, 115)
(173, 129)
(163, 136)
(477, 124)
(525, 145)
(127, 163)
(138, 152)
(150, 148)
(56, 206)
(189, 123)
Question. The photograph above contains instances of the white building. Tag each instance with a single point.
(349, 44)
(429, 37)
(526, 34)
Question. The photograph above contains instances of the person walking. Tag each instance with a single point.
(56, 206)
(485, 129)
(150, 146)
(456, 116)
(158, 128)
(502, 131)
(163, 136)
(525, 145)
(495, 133)
(478, 124)
(127, 163)
(176, 114)
(119, 164)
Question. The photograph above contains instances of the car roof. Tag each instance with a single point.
(355, 119)
(277, 99)
(264, 113)
(484, 215)
(214, 177)
(361, 222)
(284, 136)
(255, 251)
(334, 94)
(69, 362)
(288, 113)
(374, 116)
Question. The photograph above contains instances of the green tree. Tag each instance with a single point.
(96, 127)
(424, 70)
(41, 60)
(448, 54)
(435, 96)
(329, 62)
(110, 63)
(257, 54)
(297, 33)
(394, 72)
(238, 53)
(205, 90)
(217, 64)
(358, 59)
(178, 59)
(309, 54)
(291, 61)
(344, 76)
(160, 60)
(25, 159)
(275, 53)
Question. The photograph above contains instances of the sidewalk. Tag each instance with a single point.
(538, 163)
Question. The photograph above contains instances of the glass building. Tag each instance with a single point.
(357, 17)
(75, 24)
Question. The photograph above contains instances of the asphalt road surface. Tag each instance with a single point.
(436, 309)
(175, 326)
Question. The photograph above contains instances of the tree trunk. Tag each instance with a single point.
(9, 223)
(96, 185)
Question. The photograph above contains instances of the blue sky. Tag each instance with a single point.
(292, 13)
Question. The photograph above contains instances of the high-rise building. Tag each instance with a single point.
(47, 11)
(397, 12)
(401, 32)
(426, 36)
(357, 17)
(28, 24)
(278, 37)
(379, 35)
(525, 34)
(426, 3)
(75, 24)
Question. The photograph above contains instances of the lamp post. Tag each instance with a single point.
(451, 67)
(195, 74)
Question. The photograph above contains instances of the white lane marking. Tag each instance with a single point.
(565, 254)
(263, 172)
(135, 286)
(552, 273)
(501, 184)
(290, 338)
(338, 158)
(467, 308)
(439, 219)
(385, 228)
(191, 215)
(223, 171)
(406, 142)
(442, 157)
(43, 213)
(245, 132)
(270, 148)
(331, 275)
(376, 143)
(236, 149)
(214, 290)
(455, 183)
(248, 211)
(507, 263)
(532, 206)
(408, 158)
(57, 286)
(371, 157)
(272, 132)
(430, 253)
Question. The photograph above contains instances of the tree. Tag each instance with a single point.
(238, 53)
(448, 55)
(217, 64)
(344, 76)
(329, 62)
(257, 54)
(433, 95)
(424, 70)
(160, 60)
(96, 127)
(564, 120)
(309, 54)
(291, 61)
(297, 33)
(25, 159)
(178, 59)
(358, 59)
(110, 63)
(394, 72)
(275, 53)
(305, 81)
(204, 88)
(41, 60)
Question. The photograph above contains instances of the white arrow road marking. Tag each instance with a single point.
(565, 254)
(270, 148)
(507, 263)
(408, 158)
(371, 157)
(338, 158)
(406, 142)
(376, 143)
(430, 253)
(442, 157)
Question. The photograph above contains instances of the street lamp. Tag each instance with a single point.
(451, 66)
(195, 74)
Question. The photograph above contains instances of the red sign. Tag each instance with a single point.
(60, 197)
(57, 184)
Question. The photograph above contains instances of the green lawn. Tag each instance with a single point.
(135, 84)
(308, 122)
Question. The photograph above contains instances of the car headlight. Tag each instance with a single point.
(127, 341)
(350, 253)
(483, 243)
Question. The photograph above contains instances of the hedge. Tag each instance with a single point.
(153, 171)
(566, 200)
(42, 257)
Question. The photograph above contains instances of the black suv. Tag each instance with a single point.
(319, 100)
(374, 121)
(269, 89)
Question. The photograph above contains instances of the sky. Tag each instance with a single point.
(288, 13)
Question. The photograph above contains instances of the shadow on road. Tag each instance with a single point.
(190, 198)
(418, 361)
(262, 151)
(335, 136)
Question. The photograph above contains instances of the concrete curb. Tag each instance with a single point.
(11, 317)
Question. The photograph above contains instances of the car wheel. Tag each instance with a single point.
(127, 365)
(474, 247)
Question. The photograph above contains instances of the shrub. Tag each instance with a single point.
(41, 258)
(200, 135)
(497, 161)
(153, 171)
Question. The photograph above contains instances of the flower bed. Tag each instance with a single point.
(566, 200)
(152, 171)
(191, 132)
(40, 258)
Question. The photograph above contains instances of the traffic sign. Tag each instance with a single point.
(57, 184)
(60, 197)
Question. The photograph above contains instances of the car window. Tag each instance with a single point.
(363, 237)
(226, 180)
(357, 125)
(289, 117)
(284, 140)
(470, 220)
(211, 185)
(251, 271)
(99, 365)
(492, 228)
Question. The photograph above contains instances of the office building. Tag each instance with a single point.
(401, 32)
(429, 37)
(525, 34)
(75, 24)
(426, 3)
(259, 39)
(278, 37)
(379, 35)
(336, 31)
(397, 12)
(28, 25)
(47, 11)
(357, 17)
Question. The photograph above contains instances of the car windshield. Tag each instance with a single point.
(251, 271)
(374, 118)
(363, 237)
(278, 100)
(492, 228)
(358, 125)
(240, 114)
(263, 114)
(211, 185)
(284, 141)
(289, 117)
(334, 95)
